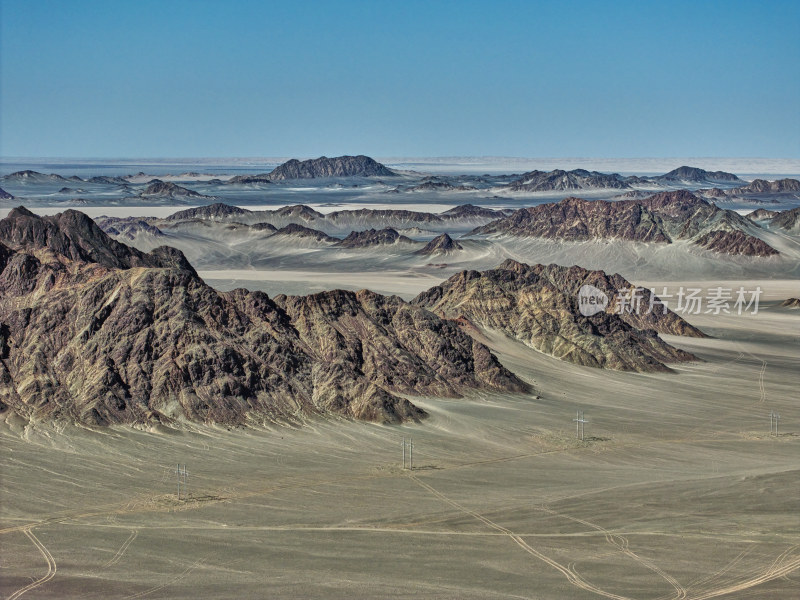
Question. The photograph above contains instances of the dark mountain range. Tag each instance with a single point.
(211, 211)
(32, 176)
(735, 242)
(76, 237)
(558, 180)
(470, 210)
(244, 179)
(340, 166)
(662, 217)
(788, 220)
(696, 175)
(127, 227)
(167, 189)
(88, 335)
(538, 305)
(373, 237)
(300, 231)
(441, 244)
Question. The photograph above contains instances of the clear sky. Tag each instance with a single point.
(173, 78)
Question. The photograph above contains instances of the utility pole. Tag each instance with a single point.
(404, 446)
(579, 425)
(777, 420)
(410, 444)
(182, 474)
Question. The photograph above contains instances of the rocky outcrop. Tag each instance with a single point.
(791, 303)
(90, 334)
(373, 237)
(696, 175)
(470, 210)
(128, 227)
(215, 211)
(577, 219)
(663, 217)
(735, 243)
(35, 176)
(442, 244)
(4, 195)
(538, 305)
(74, 236)
(788, 220)
(762, 214)
(299, 231)
(559, 180)
(762, 186)
(167, 189)
(340, 166)
(246, 179)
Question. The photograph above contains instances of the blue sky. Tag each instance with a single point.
(403, 78)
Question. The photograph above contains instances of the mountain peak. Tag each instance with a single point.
(340, 166)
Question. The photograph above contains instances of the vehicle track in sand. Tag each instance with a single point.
(52, 568)
(115, 559)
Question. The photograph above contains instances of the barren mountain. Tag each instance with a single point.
(762, 214)
(128, 227)
(211, 211)
(340, 166)
(373, 237)
(89, 331)
(33, 176)
(558, 180)
(735, 242)
(167, 189)
(696, 175)
(244, 179)
(4, 195)
(662, 217)
(791, 303)
(538, 305)
(299, 231)
(788, 220)
(441, 244)
(762, 186)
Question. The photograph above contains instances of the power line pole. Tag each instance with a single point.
(579, 425)
(777, 420)
(408, 443)
(404, 447)
(182, 475)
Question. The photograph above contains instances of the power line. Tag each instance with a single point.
(580, 423)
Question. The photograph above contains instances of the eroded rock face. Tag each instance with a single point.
(559, 180)
(373, 237)
(96, 332)
(441, 244)
(663, 218)
(735, 242)
(538, 305)
(340, 166)
(788, 220)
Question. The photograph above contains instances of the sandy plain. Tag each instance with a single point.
(677, 491)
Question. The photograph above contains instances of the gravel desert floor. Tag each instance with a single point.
(678, 490)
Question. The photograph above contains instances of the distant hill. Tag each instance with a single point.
(373, 237)
(440, 245)
(340, 166)
(4, 195)
(696, 175)
(167, 189)
(558, 180)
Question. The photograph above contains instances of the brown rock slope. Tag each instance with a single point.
(97, 332)
(663, 218)
(538, 305)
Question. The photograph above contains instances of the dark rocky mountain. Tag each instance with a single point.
(470, 210)
(127, 227)
(577, 219)
(264, 227)
(167, 189)
(662, 217)
(696, 175)
(245, 179)
(212, 211)
(791, 303)
(340, 166)
(441, 244)
(538, 305)
(74, 236)
(762, 186)
(89, 336)
(4, 195)
(299, 231)
(559, 180)
(299, 211)
(735, 242)
(788, 220)
(762, 214)
(107, 180)
(35, 176)
(373, 237)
